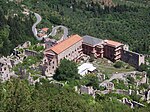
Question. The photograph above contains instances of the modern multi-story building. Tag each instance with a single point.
(102, 48)
(93, 46)
(113, 50)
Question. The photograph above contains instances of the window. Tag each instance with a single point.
(4, 68)
(53, 67)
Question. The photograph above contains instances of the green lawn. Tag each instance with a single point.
(107, 67)
(58, 35)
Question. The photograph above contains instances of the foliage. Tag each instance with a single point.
(124, 22)
(118, 96)
(118, 64)
(67, 70)
(92, 80)
(120, 84)
(148, 73)
(24, 69)
(111, 104)
(127, 22)
(130, 80)
(14, 29)
(36, 48)
(145, 86)
(18, 96)
(142, 67)
(135, 97)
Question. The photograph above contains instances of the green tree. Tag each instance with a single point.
(118, 64)
(67, 70)
(5, 44)
(142, 67)
(92, 81)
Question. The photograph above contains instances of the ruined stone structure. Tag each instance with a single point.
(5, 66)
(30, 52)
(134, 59)
(87, 90)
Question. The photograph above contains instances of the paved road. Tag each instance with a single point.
(34, 30)
(54, 30)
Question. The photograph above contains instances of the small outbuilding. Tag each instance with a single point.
(86, 68)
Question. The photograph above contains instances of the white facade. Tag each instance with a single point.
(84, 68)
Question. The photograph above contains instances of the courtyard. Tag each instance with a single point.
(105, 66)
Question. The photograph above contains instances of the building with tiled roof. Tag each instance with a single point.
(45, 29)
(92, 46)
(64, 45)
(113, 50)
(102, 48)
(70, 48)
(112, 43)
(75, 46)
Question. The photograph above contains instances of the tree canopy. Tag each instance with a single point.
(67, 70)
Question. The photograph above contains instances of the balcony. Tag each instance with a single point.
(116, 54)
(118, 49)
(118, 57)
(80, 50)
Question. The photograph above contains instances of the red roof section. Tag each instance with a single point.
(45, 29)
(41, 35)
(113, 43)
(60, 47)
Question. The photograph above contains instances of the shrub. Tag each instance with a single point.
(118, 64)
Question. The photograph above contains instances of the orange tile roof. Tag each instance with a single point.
(41, 35)
(45, 29)
(60, 47)
(113, 43)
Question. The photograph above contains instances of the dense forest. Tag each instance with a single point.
(124, 22)
(127, 22)
(19, 96)
(15, 28)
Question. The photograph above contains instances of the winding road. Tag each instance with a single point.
(54, 30)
